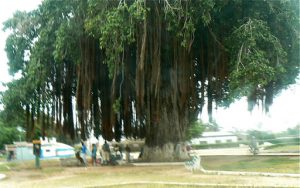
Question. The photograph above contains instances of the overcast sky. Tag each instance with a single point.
(284, 113)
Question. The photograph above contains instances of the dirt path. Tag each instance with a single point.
(129, 175)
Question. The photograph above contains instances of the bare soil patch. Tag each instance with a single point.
(133, 176)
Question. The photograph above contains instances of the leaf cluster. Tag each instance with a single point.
(257, 57)
(115, 27)
(195, 130)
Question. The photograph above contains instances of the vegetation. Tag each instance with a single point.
(289, 137)
(143, 68)
(52, 175)
(8, 135)
(283, 148)
(293, 131)
(261, 136)
(195, 130)
(278, 164)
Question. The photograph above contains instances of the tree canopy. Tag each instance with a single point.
(144, 68)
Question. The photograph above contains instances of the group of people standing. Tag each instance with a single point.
(106, 156)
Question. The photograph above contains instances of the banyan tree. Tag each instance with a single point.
(146, 68)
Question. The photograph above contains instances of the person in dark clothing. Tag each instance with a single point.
(83, 153)
(141, 153)
(94, 154)
(106, 153)
(127, 149)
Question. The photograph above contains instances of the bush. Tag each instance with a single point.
(7, 135)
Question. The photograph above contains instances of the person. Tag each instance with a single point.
(141, 153)
(10, 156)
(121, 151)
(188, 149)
(118, 152)
(94, 154)
(127, 149)
(106, 153)
(83, 153)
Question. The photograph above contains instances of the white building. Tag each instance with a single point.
(215, 138)
(49, 149)
(52, 149)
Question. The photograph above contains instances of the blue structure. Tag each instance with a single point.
(50, 149)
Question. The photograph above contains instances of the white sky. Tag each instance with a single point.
(284, 113)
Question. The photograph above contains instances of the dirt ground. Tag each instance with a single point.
(103, 176)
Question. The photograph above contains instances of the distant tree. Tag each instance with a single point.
(212, 126)
(253, 146)
(8, 135)
(294, 131)
(260, 136)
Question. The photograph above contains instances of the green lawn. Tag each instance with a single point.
(283, 148)
(157, 186)
(53, 175)
(279, 164)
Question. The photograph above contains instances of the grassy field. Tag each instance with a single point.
(277, 164)
(53, 175)
(283, 148)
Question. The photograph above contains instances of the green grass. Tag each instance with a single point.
(155, 186)
(283, 148)
(28, 165)
(7, 166)
(276, 164)
(3, 168)
(53, 175)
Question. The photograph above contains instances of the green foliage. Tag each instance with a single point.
(228, 49)
(195, 130)
(65, 41)
(13, 100)
(295, 131)
(258, 58)
(19, 43)
(211, 126)
(8, 134)
(117, 105)
(260, 136)
(286, 141)
(207, 6)
(181, 21)
(289, 137)
(115, 27)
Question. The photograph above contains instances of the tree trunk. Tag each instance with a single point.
(167, 84)
(168, 152)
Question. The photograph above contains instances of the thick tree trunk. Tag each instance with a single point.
(167, 83)
(165, 141)
(168, 152)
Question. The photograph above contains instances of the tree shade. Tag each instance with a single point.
(144, 68)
